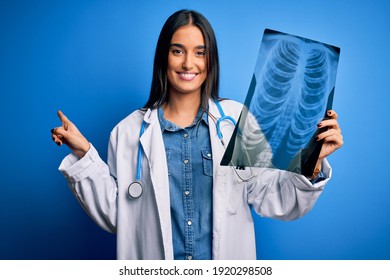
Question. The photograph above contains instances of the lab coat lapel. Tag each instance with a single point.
(153, 146)
(219, 180)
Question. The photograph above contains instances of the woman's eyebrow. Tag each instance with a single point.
(177, 45)
(182, 46)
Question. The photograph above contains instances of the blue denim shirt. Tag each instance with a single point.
(190, 171)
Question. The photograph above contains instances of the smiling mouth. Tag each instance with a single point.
(187, 76)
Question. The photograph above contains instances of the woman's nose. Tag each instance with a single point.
(188, 63)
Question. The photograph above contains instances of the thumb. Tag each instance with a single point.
(65, 121)
(60, 132)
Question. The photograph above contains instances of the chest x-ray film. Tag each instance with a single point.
(291, 90)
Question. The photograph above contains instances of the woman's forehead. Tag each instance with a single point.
(188, 35)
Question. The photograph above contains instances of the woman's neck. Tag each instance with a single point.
(182, 109)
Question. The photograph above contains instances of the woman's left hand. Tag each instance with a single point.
(333, 139)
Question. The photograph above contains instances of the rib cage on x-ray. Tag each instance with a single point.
(280, 124)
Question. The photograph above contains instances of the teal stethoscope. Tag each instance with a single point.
(135, 188)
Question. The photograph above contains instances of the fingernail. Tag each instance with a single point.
(329, 113)
(52, 131)
(319, 125)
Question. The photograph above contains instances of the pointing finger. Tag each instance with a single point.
(64, 119)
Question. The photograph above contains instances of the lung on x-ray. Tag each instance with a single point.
(291, 90)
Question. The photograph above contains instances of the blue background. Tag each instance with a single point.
(93, 60)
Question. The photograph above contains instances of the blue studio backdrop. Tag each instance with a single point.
(93, 60)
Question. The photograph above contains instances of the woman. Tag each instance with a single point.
(186, 206)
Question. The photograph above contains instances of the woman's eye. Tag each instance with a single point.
(177, 52)
(200, 53)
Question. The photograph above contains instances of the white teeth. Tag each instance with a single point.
(187, 75)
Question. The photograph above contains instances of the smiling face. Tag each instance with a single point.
(187, 65)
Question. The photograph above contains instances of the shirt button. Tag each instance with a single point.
(185, 135)
(189, 257)
(185, 161)
(187, 193)
(189, 223)
(209, 155)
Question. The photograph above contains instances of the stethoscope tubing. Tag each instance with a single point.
(140, 153)
(135, 189)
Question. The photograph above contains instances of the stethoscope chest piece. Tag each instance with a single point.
(135, 190)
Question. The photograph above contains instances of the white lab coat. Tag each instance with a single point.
(143, 225)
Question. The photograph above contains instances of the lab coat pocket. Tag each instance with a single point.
(236, 196)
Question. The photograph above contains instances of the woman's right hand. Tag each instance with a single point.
(69, 135)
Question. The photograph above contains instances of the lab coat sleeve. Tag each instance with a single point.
(285, 195)
(90, 180)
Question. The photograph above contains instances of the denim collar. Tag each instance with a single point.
(167, 125)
